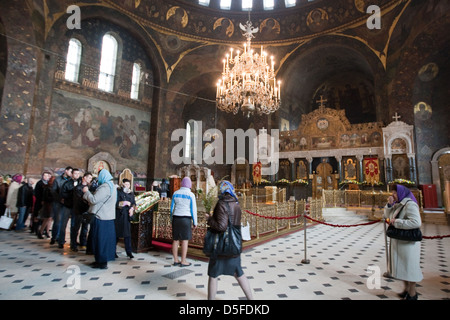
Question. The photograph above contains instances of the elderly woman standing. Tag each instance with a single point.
(13, 193)
(402, 211)
(227, 206)
(183, 209)
(103, 207)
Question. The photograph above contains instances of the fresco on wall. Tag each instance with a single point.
(80, 127)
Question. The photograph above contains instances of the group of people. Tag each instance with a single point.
(183, 212)
(401, 211)
(99, 212)
(105, 210)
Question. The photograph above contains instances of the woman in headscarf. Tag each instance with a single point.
(13, 193)
(126, 205)
(183, 209)
(103, 207)
(227, 205)
(402, 211)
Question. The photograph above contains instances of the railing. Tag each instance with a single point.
(263, 219)
(360, 198)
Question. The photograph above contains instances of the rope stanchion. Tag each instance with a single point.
(273, 218)
(335, 225)
(369, 223)
(305, 260)
(341, 225)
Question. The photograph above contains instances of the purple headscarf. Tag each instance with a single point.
(17, 178)
(403, 192)
(186, 182)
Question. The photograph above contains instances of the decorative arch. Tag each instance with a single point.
(435, 172)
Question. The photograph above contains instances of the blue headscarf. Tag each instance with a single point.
(105, 177)
(226, 187)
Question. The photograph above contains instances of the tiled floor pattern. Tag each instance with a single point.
(339, 260)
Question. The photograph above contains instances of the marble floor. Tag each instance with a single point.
(345, 264)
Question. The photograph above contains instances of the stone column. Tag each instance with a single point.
(361, 175)
(292, 161)
(412, 167)
(388, 165)
(339, 161)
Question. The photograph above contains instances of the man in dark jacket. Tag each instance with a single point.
(24, 202)
(39, 200)
(58, 207)
(80, 210)
(66, 193)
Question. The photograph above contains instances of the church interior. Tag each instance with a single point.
(350, 96)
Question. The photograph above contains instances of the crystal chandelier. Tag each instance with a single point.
(248, 82)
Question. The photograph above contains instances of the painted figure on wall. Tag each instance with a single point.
(81, 126)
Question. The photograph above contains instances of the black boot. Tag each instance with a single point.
(408, 297)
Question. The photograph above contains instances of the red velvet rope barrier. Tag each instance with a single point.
(334, 225)
(273, 218)
(342, 225)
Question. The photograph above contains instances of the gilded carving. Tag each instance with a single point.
(317, 20)
(222, 23)
(326, 128)
(174, 11)
(270, 27)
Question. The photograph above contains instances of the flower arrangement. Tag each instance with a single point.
(146, 200)
(376, 183)
(347, 181)
(209, 199)
(265, 182)
(282, 181)
(403, 182)
(300, 182)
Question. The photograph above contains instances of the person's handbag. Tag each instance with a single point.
(5, 220)
(404, 234)
(226, 244)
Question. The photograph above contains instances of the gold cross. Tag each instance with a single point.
(321, 101)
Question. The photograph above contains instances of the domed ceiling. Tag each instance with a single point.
(280, 24)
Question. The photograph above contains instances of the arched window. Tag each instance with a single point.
(289, 3)
(247, 5)
(135, 81)
(189, 129)
(73, 60)
(269, 4)
(192, 135)
(108, 63)
(225, 4)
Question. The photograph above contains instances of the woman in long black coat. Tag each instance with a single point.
(125, 207)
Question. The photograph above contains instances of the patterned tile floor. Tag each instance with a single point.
(340, 259)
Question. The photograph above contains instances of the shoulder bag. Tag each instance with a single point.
(6, 221)
(404, 234)
(227, 244)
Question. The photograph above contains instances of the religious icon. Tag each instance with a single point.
(257, 172)
(99, 166)
(428, 72)
(322, 124)
(371, 170)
